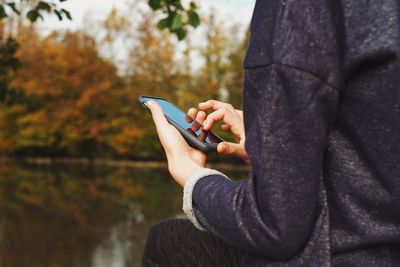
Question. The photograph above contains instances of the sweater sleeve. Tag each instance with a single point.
(188, 191)
(289, 109)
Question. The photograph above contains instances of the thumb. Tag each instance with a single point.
(157, 114)
(227, 148)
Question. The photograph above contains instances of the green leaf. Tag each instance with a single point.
(58, 15)
(176, 21)
(194, 18)
(181, 33)
(44, 6)
(3, 13)
(67, 14)
(178, 5)
(157, 4)
(32, 15)
(14, 8)
(193, 5)
(163, 24)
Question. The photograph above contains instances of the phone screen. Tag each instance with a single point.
(185, 122)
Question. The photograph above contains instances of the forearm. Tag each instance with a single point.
(275, 227)
(181, 167)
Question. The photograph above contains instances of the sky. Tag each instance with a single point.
(239, 10)
(85, 12)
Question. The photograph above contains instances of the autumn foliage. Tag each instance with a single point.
(74, 97)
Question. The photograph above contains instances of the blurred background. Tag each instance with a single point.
(82, 173)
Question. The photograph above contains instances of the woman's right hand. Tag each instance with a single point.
(232, 121)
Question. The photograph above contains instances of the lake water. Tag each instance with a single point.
(82, 215)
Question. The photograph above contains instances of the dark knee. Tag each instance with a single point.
(167, 229)
(161, 237)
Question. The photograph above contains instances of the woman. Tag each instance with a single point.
(321, 131)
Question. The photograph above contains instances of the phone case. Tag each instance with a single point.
(190, 139)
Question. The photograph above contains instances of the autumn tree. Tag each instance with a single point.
(235, 71)
(66, 85)
(70, 99)
(32, 10)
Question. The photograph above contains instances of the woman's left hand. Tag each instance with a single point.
(183, 160)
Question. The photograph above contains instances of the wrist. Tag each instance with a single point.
(181, 168)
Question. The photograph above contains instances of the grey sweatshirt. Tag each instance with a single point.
(322, 121)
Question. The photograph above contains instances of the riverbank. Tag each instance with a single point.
(148, 164)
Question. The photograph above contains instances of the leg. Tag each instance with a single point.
(177, 242)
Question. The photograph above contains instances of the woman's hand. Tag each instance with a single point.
(233, 121)
(183, 160)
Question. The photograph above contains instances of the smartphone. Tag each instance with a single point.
(190, 129)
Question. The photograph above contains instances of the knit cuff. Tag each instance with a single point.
(188, 191)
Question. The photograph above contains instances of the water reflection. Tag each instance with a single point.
(80, 215)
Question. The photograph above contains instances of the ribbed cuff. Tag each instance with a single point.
(188, 191)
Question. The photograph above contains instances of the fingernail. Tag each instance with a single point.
(149, 103)
(223, 147)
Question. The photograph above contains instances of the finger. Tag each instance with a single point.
(227, 148)
(222, 114)
(240, 112)
(202, 136)
(192, 113)
(158, 117)
(201, 116)
(212, 104)
(225, 127)
(157, 113)
(213, 117)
